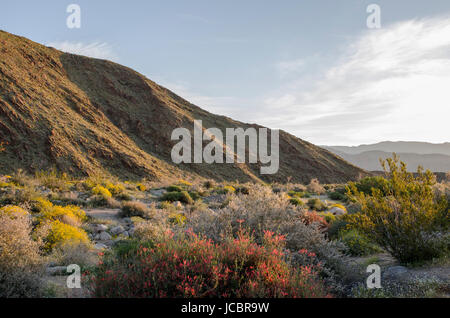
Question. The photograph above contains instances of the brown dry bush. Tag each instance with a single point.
(315, 187)
(20, 261)
(136, 208)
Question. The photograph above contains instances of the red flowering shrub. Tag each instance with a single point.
(195, 267)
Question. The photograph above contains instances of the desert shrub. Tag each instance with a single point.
(358, 244)
(174, 188)
(338, 196)
(195, 195)
(408, 220)
(53, 180)
(168, 206)
(177, 218)
(184, 183)
(196, 267)
(20, 178)
(70, 214)
(316, 204)
(366, 185)
(315, 187)
(296, 202)
(182, 196)
(226, 190)
(209, 184)
(101, 191)
(20, 196)
(335, 227)
(124, 197)
(20, 261)
(73, 253)
(61, 233)
(311, 217)
(262, 210)
(243, 189)
(329, 217)
(135, 208)
(17, 248)
(115, 189)
(297, 194)
(141, 187)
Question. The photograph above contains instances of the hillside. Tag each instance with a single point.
(86, 116)
(435, 157)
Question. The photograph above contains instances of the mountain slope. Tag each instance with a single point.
(86, 116)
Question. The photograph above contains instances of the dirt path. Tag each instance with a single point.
(111, 214)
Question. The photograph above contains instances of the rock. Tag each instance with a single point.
(117, 230)
(398, 273)
(131, 231)
(109, 242)
(97, 237)
(178, 204)
(100, 246)
(56, 270)
(158, 193)
(105, 236)
(127, 220)
(125, 234)
(101, 228)
(337, 211)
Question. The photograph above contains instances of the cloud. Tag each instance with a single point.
(390, 84)
(95, 49)
(285, 68)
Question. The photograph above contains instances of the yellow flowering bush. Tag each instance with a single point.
(70, 214)
(13, 210)
(115, 189)
(102, 191)
(141, 187)
(61, 233)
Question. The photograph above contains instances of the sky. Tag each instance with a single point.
(312, 68)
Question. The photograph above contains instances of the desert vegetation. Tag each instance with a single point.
(203, 238)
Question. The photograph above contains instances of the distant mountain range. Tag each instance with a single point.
(435, 157)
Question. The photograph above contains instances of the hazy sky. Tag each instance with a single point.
(312, 68)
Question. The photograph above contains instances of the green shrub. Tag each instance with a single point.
(358, 244)
(316, 204)
(174, 188)
(406, 218)
(182, 196)
(366, 185)
(338, 225)
(337, 196)
(296, 202)
(298, 194)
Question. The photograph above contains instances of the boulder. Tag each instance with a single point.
(397, 273)
(104, 236)
(101, 228)
(117, 230)
(100, 246)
